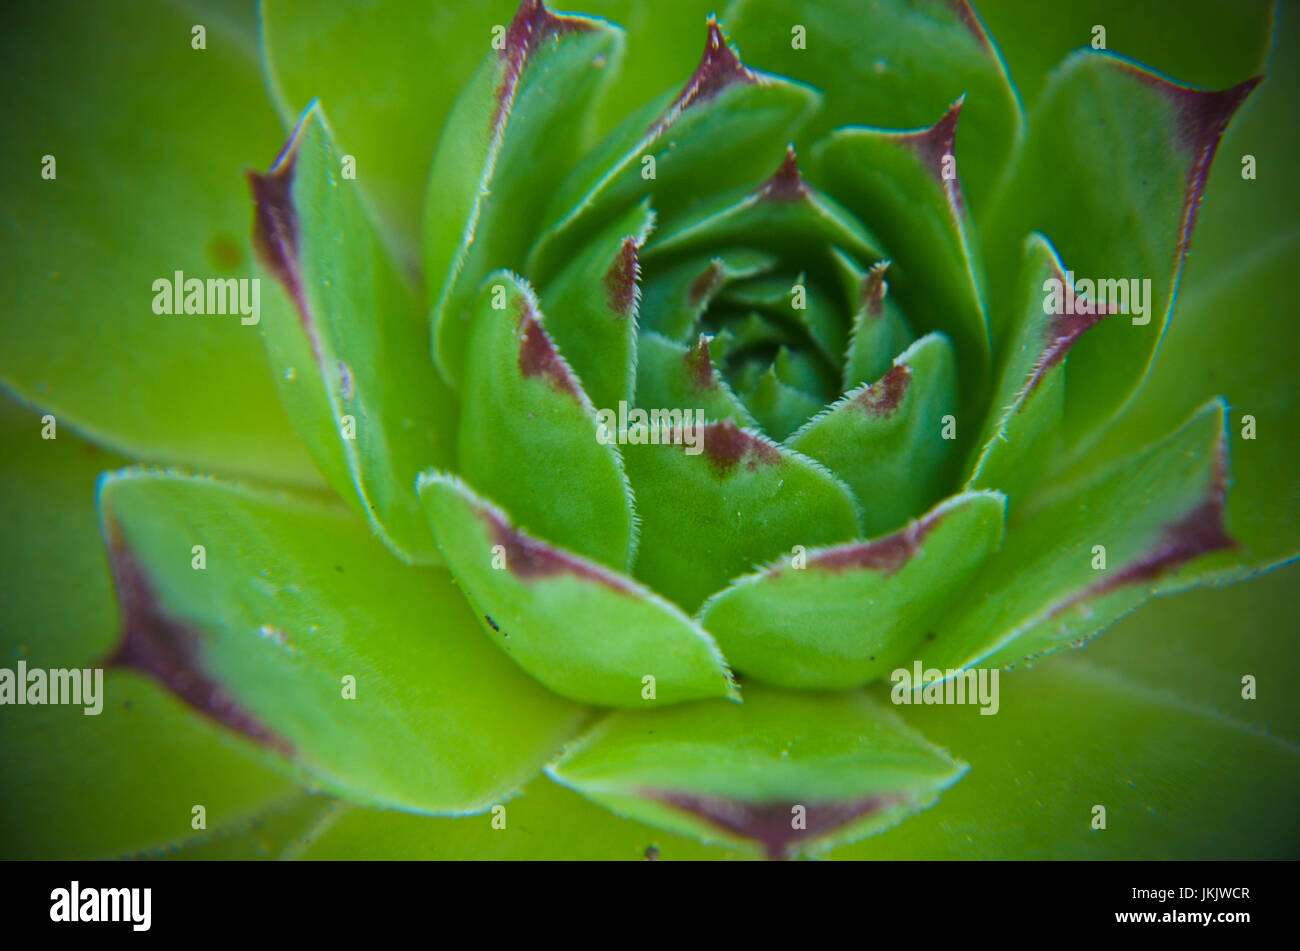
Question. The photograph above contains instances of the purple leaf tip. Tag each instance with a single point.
(934, 147)
(719, 68)
(787, 184)
(169, 650)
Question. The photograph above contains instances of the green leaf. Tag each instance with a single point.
(586, 632)
(783, 215)
(529, 434)
(715, 501)
(898, 182)
(1022, 435)
(836, 618)
(671, 374)
(886, 439)
(880, 332)
(1233, 332)
(1082, 556)
(546, 822)
(387, 96)
(782, 771)
(1178, 779)
(60, 615)
(893, 66)
(302, 634)
(593, 308)
(346, 342)
(728, 122)
(507, 132)
(282, 830)
(1120, 210)
(677, 293)
(1210, 42)
(80, 337)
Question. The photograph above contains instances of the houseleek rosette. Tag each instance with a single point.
(700, 429)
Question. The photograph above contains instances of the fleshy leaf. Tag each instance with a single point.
(1149, 140)
(1081, 557)
(836, 618)
(386, 92)
(592, 308)
(906, 184)
(1233, 332)
(586, 632)
(546, 822)
(1158, 762)
(784, 215)
(346, 341)
(891, 65)
(529, 434)
(677, 293)
(880, 330)
(509, 129)
(728, 122)
(87, 248)
(716, 501)
(784, 772)
(1022, 435)
(887, 439)
(671, 374)
(1210, 42)
(363, 676)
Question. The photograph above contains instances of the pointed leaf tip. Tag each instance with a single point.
(538, 355)
(787, 183)
(622, 281)
(874, 288)
(719, 68)
(935, 149)
(533, 24)
(726, 444)
(885, 396)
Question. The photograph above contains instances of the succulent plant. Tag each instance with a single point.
(660, 476)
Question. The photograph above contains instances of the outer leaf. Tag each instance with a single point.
(508, 130)
(1151, 141)
(1070, 737)
(1152, 513)
(386, 95)
(727, 119)
(898, 182)
(743, 774)
(547, 822)
(892, 65)
(296, 597)
(733, 501)
(586, 632)
(1234, 333)
(1210, 42)
(529, 434)
(59, 614)
(886, 439)
(346, 342)
(855, 611)
(83, 250)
